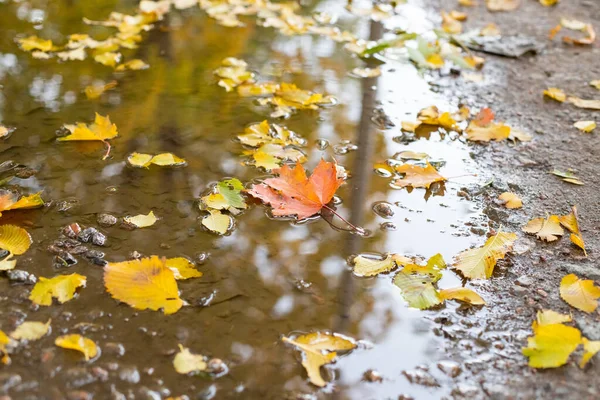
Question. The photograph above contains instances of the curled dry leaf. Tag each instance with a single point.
(77, 342)
(143, 284)
(595, 84)
(511, 200)
(590, 349)
(479, 263)
(61, 287)
(319, 349)
(585, 126)
(547, 229)
(185, 362)
(555, 94)
(11, 201)
(579, 293)
(31, 331)
(367, 266)
(551, 345)
(571, 222)
(141, 220)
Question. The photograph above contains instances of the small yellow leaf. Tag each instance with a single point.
(4, 340)
(319, 349)
(217, 222)
(549, 3)
(8, 263)
(551, 345)
(462, 294)
(502, 5)
(167, 159)
(590, 348)
(14, 239)
(140, 160)
(571, 222)
(585, 126)
(35, 43)
(182, 268)
(519, 135)
(142, 221)
(411, 155)
(555, 94)
(418, 290)
(95, 91)
(547, 229)
(133, 65)
(186, 362)
(31, 331)
(62, 287)
(511, 200)
(493, 131)
(479, 263)
(567, 177)
(583, 103)
(410, 126)
(548, 317)
(216, 201)
(365, 266)
(595, 83)
(77, 342)
(143, 284)
(366, 72)
(581, 294)
(110, 59)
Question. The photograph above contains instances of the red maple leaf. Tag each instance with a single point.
(293, 193)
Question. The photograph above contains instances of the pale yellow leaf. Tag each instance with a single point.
(418, 290)
(185, 362)
(585, 126)
(217, 222)
(583, 103)
(101, 129)
(502, 5)
(463, 294)
(35, 43)
(493, 131)
(579, 293)
(31, 331)
(479, 263)
(555, 94)
(365, 266)
(139, 160)
(590, 348)
(141, 220)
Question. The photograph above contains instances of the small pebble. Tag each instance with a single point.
(107, 220)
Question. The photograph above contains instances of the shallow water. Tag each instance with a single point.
(269, 277)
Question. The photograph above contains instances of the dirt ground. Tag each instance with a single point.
(489, 344)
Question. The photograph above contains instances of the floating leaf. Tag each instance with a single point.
(547, 229)
(167, 159)
(31, 331)
(77, 342)
(14, 239)
(133, 65)
(142, 221)
(581, 294)
(365, 266)
(62, 287)
(319, 349)
(143, 284)
(185, 362)
(511, 200)
(101, 129)
(551, 345)
(10, 201)
(479, 263)
(140, 160)
(182, 268)
(227, 195)
(35, 43)
(492, 131)
(433, 268)
(463, 294)
(109, 58)
(417, 176)
(567, 177)
(571, 222)
(418, 290)
(555, 94)
(95, 91)
(590, 348)
(217, 222)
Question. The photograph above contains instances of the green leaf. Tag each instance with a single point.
(231, 191)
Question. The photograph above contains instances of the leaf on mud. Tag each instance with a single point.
(462, 294)
(133, 65)
(418, 290)
(367, 266)
(502, 5)
(293, 193)
(143, 284)
(31, 331)
(319, 349)
(142, 160)
(579, 293)
(551, 345)
(571, 222)
(417, 176)
(585, 126)
(61, 287)
(567, 177)
(11, 201)
(95, 91)
(77, 342)
(492, 131)
(479, 263)
(182, 268)
(555, 94)
(548, 317)
(511, 200)
(14, 239)
(35, 43)
(547, 229)
(141, 220)
(217, 222)
(583, 103)
(4, 340)
(590, 348)
(185, 362)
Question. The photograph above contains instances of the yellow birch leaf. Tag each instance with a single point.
(579, 293)
(511, 200)
(143, 284)
(142, 221)
(463, 294)
(493, 131)
(62, 287)
(555, 94)
(585, 126)
(319, 349)
(182, 268)
(31, 331)
(548, 317)
(185, 362)
(14, 239)
(35, 43)
(167, 159)
(479, 263)
(8, 201)
(217, 222)
(77, 342)
(433, 268)
(583, 103)
(547, 229)
(139, 160)
(551, 345)
(133, 65)
(590, 348)
(265, 160)
(365, 266)
(417, 177)
(216, 201)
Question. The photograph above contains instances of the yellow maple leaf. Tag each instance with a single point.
(143, 284)
(417, 176)
(547, 229)
(319, 349)
(14, 239)
(31, 331)
(62, 287)
(141, 220)
(479, 263)
(77, 342)
(590, 348)
(186, 362)
(463, 294)
(101, 130)
(571, 222)
(579, 293)
(551, 345)
(511, 200)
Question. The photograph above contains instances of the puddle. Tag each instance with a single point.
(268, 278)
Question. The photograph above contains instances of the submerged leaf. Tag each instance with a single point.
(101, 129)
(418, 290)
(77, 342)
(551, 345)
(185, 362)
(581, 294)
(95, 91)
(31, 331)
(62, 287)
(479, 263)
(141, 220)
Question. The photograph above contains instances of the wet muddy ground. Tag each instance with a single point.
(269, 277)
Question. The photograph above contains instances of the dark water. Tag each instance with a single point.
(269, 277)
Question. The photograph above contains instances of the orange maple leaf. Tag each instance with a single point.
(293, 193)
(484, 118)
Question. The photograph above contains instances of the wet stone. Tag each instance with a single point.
(524, 281)
(115, 349)
(71, 231)
(3, 253)
(322, 144)
(107, 220)
(78, 250)
(217, 367)
(100, 373)
(420, 377)
(115, 394)
(20, 276)
(130, 375)
(78, 377)
(383, 209)
(450, 368)
(145, 393)
(64, 260)
(372, 376)
(92, 235)
(8, 381)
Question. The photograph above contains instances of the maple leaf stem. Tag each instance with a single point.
(355, 228)
(108, 147)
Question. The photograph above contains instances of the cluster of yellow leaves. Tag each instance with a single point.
(319, 349)
(142, 160)
(61, 287)
(12, 201)
(141, 220)
(479, 263)
(272, 145)
(16, 241)
(551, 227)
(575, 25)
(225, 196)
(101, 130)
(149, 283)
(553, 342)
